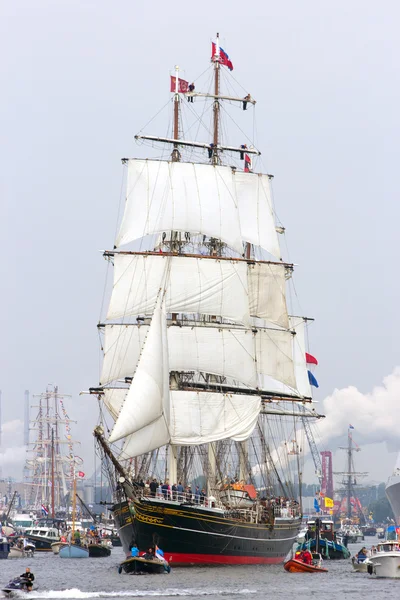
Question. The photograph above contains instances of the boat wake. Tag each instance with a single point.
(165, 593)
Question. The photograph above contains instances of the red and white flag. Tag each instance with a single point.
(183, 86)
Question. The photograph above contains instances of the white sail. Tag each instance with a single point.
(274, 351)
(232, 354)
(185, 197)
(257, 223)
(239, 353)
(194, 285)
(145, 400)
(122, 347)
(199, 418)
(113, 399)
(202, 417)
(267, 294)
(301, 370)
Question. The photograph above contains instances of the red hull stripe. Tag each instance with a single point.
(175, 558)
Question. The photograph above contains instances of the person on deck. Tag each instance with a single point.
(307, 557)
(197, 495)
(180, 491)
(77, 538)
(149, 555)
(29, 578)
(134, 550)
(153, 488)
(361, 555)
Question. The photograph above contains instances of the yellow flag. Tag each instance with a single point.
(329, 503)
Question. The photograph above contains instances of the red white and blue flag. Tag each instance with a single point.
(223, 56)
(45, 510)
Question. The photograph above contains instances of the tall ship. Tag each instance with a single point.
(204, 385)
(350, 506)
(392, 491)
(49, 468)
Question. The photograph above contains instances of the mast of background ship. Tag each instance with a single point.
(53, 513)
(349, 466)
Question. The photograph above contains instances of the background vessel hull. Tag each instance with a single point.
(393, 494)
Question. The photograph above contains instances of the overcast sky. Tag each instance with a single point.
(80, 78)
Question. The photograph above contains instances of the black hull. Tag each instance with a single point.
(116, 542)
(98, 551)
(190, 534)
(42, 545)
(140, 565)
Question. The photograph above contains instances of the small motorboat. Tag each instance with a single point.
(385, 561)
(98, 550)
(56, 546)
(16, 552)
(296, 565)
(360, 566)
(139, 564)
(15, 587)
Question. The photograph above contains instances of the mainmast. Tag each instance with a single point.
(216, 103)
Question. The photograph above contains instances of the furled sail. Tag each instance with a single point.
(236, 352)
(146, 399)
(215, 201)
(194, 285)
(186, 197)
(257, 223)
(299, 353)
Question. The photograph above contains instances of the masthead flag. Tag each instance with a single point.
(183, 86)
(351, 427)
(223, 57)
(81, 474)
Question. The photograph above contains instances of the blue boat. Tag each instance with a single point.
(4, 547)
(73, 551)
(328, 549)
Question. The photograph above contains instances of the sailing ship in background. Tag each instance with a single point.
(49, 470)
(204, 378)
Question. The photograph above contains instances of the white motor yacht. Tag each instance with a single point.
(385, 562)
